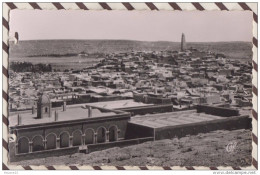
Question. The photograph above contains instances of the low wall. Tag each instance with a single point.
(149, 109)
(106, 98)
(72, 150)
(231, 123)
(40, 154)
(219, 111)
(121, 143)
(184, 108)
(138, 97)
(156, 100)
(149, 99)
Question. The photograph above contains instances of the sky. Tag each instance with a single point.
(210, 26)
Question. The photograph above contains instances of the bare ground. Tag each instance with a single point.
(207, 149)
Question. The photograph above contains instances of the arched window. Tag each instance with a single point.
(89, 136)
(101, 135)
(37, 144)
(46, 109)
(112, 133)
(23, 145)
(64, 140)
(51, 141)
(77, 135)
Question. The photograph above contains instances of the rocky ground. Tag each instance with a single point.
(218, 148)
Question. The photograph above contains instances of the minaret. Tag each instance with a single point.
(14, 39)
(16, 35)
(183, 43)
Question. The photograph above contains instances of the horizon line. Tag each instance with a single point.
(133, 40)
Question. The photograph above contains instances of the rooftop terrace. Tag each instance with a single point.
(76, 112)
(71, 113)
(118, 104)
(172, 119)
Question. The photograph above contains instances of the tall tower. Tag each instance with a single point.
(16, 35)
(13, 39)
(183, 42)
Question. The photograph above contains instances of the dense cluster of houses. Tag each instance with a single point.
(99, 106)
(184, 78)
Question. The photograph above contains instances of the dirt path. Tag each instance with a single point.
(208, 149)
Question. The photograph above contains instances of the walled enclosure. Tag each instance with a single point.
(66, 135)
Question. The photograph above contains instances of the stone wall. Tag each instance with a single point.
(39, 154)
(231, 123)
(149, 109)
(138, 131)
(219, 111)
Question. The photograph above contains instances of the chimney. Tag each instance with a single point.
(19, 119)
(33, 109)
(89, 111)
(56, 116)
(64, 106)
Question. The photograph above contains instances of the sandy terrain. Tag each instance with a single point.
(208, 149)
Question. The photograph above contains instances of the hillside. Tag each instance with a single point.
(186, 151)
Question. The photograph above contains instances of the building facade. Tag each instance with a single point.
(63, 134)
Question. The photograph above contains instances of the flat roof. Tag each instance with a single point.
(75, 112)
(172, 119)
(71, 113)
(118, 104)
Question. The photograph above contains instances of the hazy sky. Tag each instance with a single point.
(134, 25)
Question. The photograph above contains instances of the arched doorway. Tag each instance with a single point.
(101, 135)
(89, 136)
(64, 140)
(37, 144)
(23, 145)
(51, 141)
(77, 137)
(112, 133)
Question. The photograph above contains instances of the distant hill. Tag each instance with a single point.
(236, 50)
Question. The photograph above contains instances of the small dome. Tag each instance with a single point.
(44, 99)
